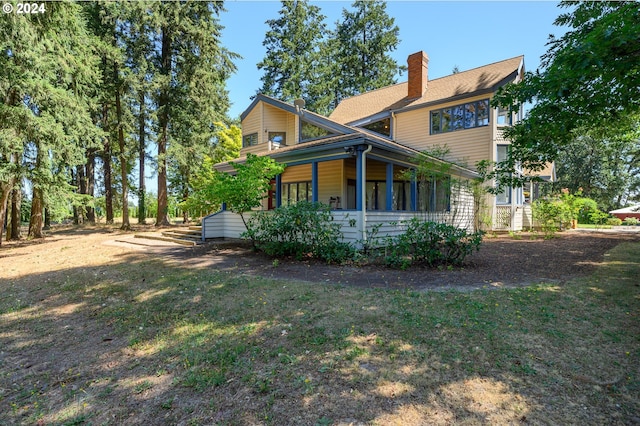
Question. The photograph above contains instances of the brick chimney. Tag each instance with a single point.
(418, 64)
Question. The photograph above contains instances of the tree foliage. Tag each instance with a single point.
(366, 35)
(606, 170)
(590, 80)
(248, 186)
(293, 47)
(305, 60)
(46, 87)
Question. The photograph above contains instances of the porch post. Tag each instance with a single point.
(389, 197)
(314, 181)
(414, 191)
(360, 185)
(278, 190)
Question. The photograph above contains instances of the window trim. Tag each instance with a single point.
(285, 188)
(250, 135)
(454, 117)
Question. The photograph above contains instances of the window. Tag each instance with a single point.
(434, 195)
(503, 197)
(382, 127)
(376, 195)
(296, 191)
(250, 140)
(310, 131)
(504, 117)
(278, 137)
(459, 117)
(401, 195)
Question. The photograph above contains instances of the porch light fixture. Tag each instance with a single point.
(350, 150)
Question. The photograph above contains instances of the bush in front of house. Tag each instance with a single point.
(430, 244)
(300, 230)
(630, 221)
(614, 221)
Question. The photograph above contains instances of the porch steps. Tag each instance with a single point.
(190, 236)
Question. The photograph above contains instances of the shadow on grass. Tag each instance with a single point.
(150, 342)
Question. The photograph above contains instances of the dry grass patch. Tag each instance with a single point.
(134, 340)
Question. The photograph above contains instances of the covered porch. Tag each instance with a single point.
(366, 185)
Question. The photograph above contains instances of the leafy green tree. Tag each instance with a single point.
(366, 36)
(227, 145)
(292, 44)
(606, 170)
(590, 79)
(248, 186)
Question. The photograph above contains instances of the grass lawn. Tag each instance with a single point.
(125, 339)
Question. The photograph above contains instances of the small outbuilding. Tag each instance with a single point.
(631, 211)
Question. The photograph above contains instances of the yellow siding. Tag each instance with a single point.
(331, 181)
(376, 170)
(466, 146)
(265, 118)
(276, 120)
(253, 124)
(300, 173)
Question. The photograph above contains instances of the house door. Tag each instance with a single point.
(271, 195)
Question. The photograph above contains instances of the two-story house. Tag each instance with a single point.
(367, 159)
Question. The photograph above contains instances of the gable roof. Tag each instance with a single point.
(485, 79)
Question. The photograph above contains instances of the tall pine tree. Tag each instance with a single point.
(193, 69)
(293, 45)
(365, 37)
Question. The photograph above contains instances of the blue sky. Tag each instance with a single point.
(466, 34)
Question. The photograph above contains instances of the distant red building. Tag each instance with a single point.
(622, 214)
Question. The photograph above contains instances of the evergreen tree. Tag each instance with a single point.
(293, 53)
(193, 69)
(366, 35)
(48, 70)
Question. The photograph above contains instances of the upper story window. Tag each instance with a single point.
(382, 127)
(250, 140)
(310, 131)
(278, 137)
(504, 117)
(459, 117)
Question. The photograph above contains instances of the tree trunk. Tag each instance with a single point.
(16, 201)
(163, 121)
(47, 219)
(185, 212)
(142, 133)
(90, 168)
(80, 182)
(5, 191)
(35, 223)
(106, 164)
(123, 160)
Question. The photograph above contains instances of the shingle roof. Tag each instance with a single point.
(391, 98)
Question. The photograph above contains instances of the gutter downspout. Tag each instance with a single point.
(363, 179)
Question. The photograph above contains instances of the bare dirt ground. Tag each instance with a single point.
(502, 261)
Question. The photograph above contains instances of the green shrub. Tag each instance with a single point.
(552, 213)
(431, 244)
(584, 208)
(630, 221)
(300, 230)
(614, 221)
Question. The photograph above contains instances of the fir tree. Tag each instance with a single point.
(293, 53)
(366, 35)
